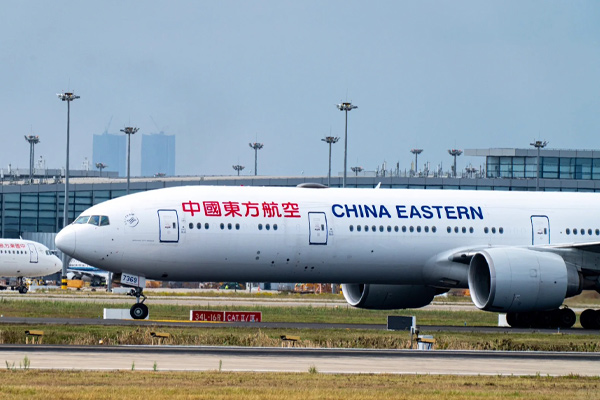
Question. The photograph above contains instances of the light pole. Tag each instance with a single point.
(33, 140)
(356, 170)
(330, 140)
(455, 153)
(238, 168)
(130, 130)
(101, 166)
(345, 107)
(68, 97)
(416, 152)
(256, 147)
(538, 144)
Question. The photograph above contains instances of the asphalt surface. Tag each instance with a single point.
(202, 358)
(282, 325)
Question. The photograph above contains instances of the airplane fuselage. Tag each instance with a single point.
(200, 233)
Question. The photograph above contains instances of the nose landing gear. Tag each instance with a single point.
(139, 310)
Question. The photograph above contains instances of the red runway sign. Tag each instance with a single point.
(226, 316)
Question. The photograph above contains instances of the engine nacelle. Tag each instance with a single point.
(514, 279)
(388, 297)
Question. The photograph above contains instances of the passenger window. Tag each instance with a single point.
(374, 228)
(191, 225)
(206, 226)
(583, 231)
(104, 221)
(590, 232)
(366, 228)
(486, 229)
(380, 228)
(260, 227)
(449, 229)
(568, 231)
(199, 225)
(82, 220)
(237, 227)
(597, 232)
(229, 226)
(426, 229)
(395, 228)
(418, 229)
(403, 228)
(412, 229)
(493, 230)
(574, 231)
(389, 228)
(501, 230)
(274, 227)
(433, 229)
(222, 225)
(471, 230)
(351, 228)
(464, 229)
(268, 227)
(358, 228)
(456, 229)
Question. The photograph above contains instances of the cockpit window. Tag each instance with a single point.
(94, 220)
(82, 220)
(104, 220)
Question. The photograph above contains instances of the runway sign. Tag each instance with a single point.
(226, 316)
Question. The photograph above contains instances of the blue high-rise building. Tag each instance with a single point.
(158, 154)
(111, 150)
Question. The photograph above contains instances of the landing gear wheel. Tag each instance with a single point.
(511, 319)
(566, 318)
(23, 289)
(139, 311)
(590, 319)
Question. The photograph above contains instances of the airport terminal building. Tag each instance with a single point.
(29, 209)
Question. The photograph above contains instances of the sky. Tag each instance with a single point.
(221, 74)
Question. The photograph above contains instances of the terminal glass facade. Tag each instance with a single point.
(513, 167)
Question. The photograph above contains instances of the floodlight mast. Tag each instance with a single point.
(416, 152)
(538, 144)
(330, 140)
(455, 153)
(345, 107)
(101, 166)
(256, 147)
(356, 170)
(130, 130)
(68, 97)
(238, 168)
(33, 140)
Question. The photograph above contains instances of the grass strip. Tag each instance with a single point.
(34, 384)
(270, 337)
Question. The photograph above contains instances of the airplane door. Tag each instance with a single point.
(33, 254)
(317, 225)
(540, 229)
(169, 226)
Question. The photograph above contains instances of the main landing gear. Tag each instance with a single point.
(590, 319)
(139, 310)
(21, 285)
(559, 318)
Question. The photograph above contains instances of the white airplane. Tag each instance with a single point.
(23, 258)
(85, 272)
(519, 253)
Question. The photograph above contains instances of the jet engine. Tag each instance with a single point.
(388, 297)
(516, 280)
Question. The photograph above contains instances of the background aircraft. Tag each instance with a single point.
(25, 258)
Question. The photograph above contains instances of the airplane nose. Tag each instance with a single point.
(65, 240)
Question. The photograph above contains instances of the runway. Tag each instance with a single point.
(282, 325)
(174, 358)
